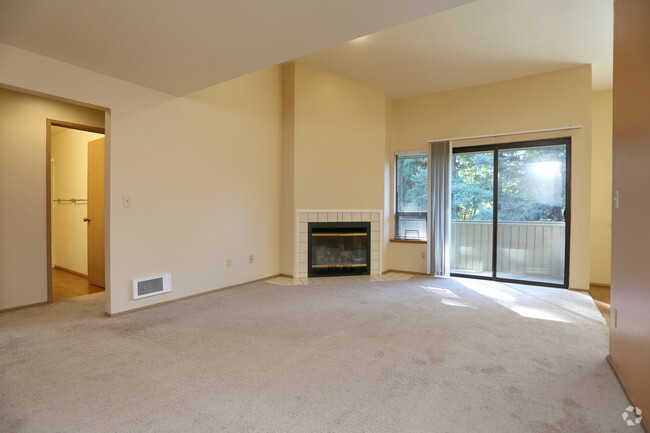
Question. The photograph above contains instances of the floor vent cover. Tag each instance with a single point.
(152, 286)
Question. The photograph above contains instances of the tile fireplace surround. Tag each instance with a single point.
(305, 216)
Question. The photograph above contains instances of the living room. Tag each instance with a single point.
(209, 186)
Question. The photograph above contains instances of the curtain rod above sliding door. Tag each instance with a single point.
(503, 134)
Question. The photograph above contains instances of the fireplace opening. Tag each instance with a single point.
(338, 249)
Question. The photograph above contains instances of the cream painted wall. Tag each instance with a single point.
(629, 337)
(339, 138)
(548, 100)
(69, 173)
(202, 171)
(601, 189)
(23, 234)
(408, 257)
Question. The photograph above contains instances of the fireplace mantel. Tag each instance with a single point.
(305, 216)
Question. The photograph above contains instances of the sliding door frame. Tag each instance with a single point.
(495, 148)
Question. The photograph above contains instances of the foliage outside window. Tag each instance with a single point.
(411, 196)
(532, 184)
(472, 185)
(527, 184)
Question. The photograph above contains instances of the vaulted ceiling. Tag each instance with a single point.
(410, 47)
(481, 42)
(184, 46)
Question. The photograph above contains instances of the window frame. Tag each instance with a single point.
(397, 213)
(495, 148)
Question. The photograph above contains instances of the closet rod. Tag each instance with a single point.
(503, 134)
(70, 200)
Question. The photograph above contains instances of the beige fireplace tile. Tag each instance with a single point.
(346, 216)
(332, 217)
(302, 247)
(356, 216)
(322, 217)
(302, 227)
(374, 217)
(302, 237)
(313, 217)
(302, 257)
(374, 246)
(365, 216)
(374, 226)
(303, 217)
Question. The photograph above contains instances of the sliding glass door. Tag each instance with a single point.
(512, 226)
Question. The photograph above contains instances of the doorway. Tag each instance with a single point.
(75, 196)
(510, 212)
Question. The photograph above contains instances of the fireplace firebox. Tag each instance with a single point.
(338, 249)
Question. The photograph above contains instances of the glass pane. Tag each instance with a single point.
(472, 213)
(411, 183)
(411, 227)
(411, 206)
(339, 250)
(532, 201)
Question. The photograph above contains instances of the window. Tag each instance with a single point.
(411, 196)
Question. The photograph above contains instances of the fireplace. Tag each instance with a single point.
(338, 249)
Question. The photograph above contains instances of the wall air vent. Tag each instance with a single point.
(150, 286)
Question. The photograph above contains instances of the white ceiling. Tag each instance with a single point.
(480, 42)
(184, 46)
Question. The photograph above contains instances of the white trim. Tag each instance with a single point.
(503, 134)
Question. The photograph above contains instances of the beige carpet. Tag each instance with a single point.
(420, 355)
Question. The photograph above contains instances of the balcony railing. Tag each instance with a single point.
(525, 250)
